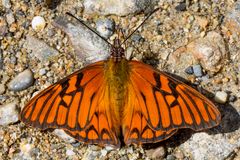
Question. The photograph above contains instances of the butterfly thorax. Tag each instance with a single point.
(117, 52)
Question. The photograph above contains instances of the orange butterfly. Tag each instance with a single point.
(119, 98)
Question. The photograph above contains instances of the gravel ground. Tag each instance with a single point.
(196, 40)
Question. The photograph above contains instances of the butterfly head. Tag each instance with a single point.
(117, 51)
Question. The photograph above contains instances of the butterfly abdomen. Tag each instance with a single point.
(117, 75)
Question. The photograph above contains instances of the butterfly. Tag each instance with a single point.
(118, 101)
(119, 98)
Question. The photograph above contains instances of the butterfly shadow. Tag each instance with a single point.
(230, 121)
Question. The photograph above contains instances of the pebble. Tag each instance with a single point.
(117, 7)
(232, 98)
(210, 51)
(91, 154)
(104, 152)
(221, 97)
(129, 53)
(231, 20)
(22, 81)
(70, 152)
(64, 136)
(6, 4)
(181, 7)
(105, 27)
(1, 60)
(38, 23)
(26, 149)
(189, 70)
(3, 26)
(158, 153)
(42, 71)
(10, 18)
(40, 49)
(197, 70)
(130, 150)
(87, 45)
(179, 154)
(136, 38)
(8, 114)
(170, 157)
(109, 148)
(2, 88)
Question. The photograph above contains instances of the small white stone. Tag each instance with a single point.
(221, 97)
(109, 148)
(42, 71)
(8, 114)
(38, 23)
(26, 148)
(103, 152)
(130, 150)
(69, 152)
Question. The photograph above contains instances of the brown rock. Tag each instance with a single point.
(209, 51)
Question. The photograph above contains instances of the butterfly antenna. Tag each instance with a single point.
(123, 37)
(83, 23)
(140, 25)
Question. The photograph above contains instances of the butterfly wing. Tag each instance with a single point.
(78, 104)
(157, 105)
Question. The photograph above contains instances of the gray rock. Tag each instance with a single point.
(170, 157)
(22, 81)
(189, 70)
(105, 27)
(8, 114)
(6, 4)
(197, 70)
(40, 49)
(203, 146)
(64, 136)
(117, 7)
(136, 38)
(87, 45)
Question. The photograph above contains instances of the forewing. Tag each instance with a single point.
(160, 104)
(77, 104)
